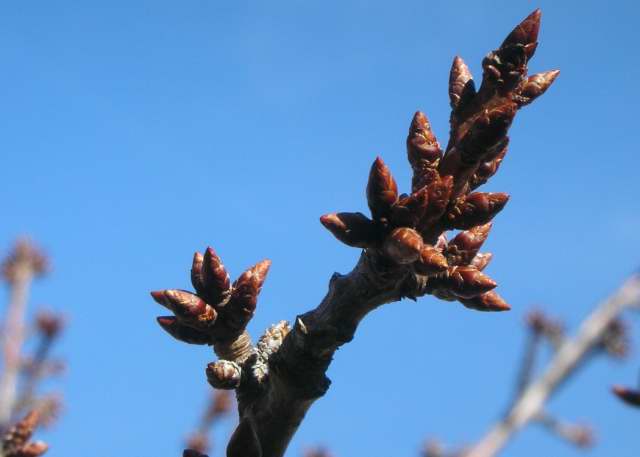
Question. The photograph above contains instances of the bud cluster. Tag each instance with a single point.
(218, 310)
(408, 228)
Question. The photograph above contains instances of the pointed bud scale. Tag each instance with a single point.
(461, 85)
(439, 195)
(224, 374)
(535, 86)
(244, 297)
(489, 301)
(475, 209)
(408, 211)
(189, 308)
(468, 282)
(35, 449)
(382, 190)
(244, 441)
(217, 285)
(403, 245)
(196, 273)
(181, 332)
(481, 260)
(525, 34)
(353, 229)
(465, 245)
(431, 261)
(487, 133)
(629, 396)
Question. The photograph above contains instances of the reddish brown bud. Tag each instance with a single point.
(468, 282)
(439, 193)
(224, 374)
(488, 168)
(244, 441)
(188, 308)
(489, 301)
(403, 245)
(525, 34)
(382, 190)
(535, 86)
(629, 396)
(431, 261)
(196, 273)
(244, 297)
(353, 229)
(461, 85)
(409, 210)
(481, 260)
(182, 332)
(217, 285)
(475, 209)
(487, 133)
(423, 152)
(465, 245)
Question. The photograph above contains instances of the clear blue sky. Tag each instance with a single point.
(135, 132)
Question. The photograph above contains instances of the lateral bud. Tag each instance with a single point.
(535, 86)
(244, 298)
(224, 374)
(409, 210)
(431, 261)
(489, 301)
(423, 151)
(217, 285)
(475, 209)
(353, 229)
(190, 309)
(197, 279)
(468, 282)
(181, 332)
(488, 168)
(403, 245)
(465, 245)
(481, 260)
(461, 85)
(382, 190)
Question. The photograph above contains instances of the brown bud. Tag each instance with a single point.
(353, 229)
(489, 301)
(439, 193)
(19, 434)
(535, 86)
(461, 85)
(49, 324)
(217, 285)
(487, 133)
(182, 332)
(468, 282)
(629, 396)
(488, 168)
(382, 190)
(244, 297)
(35, 449)
(431, 261)
(196, 273)
(465, 245)
(190, 309)
(409, 210)
(423, 152)
(244, 441)
(224, 374)
(403, 245)
(481, 260)
(475, 209)
(525, 34)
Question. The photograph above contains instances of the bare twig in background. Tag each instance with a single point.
(218, 407)
(406, 254)
(19, 269)
(600, 330)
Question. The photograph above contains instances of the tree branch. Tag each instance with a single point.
(530, 404)
(405, 254)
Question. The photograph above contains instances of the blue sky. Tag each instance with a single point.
(136, 132)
